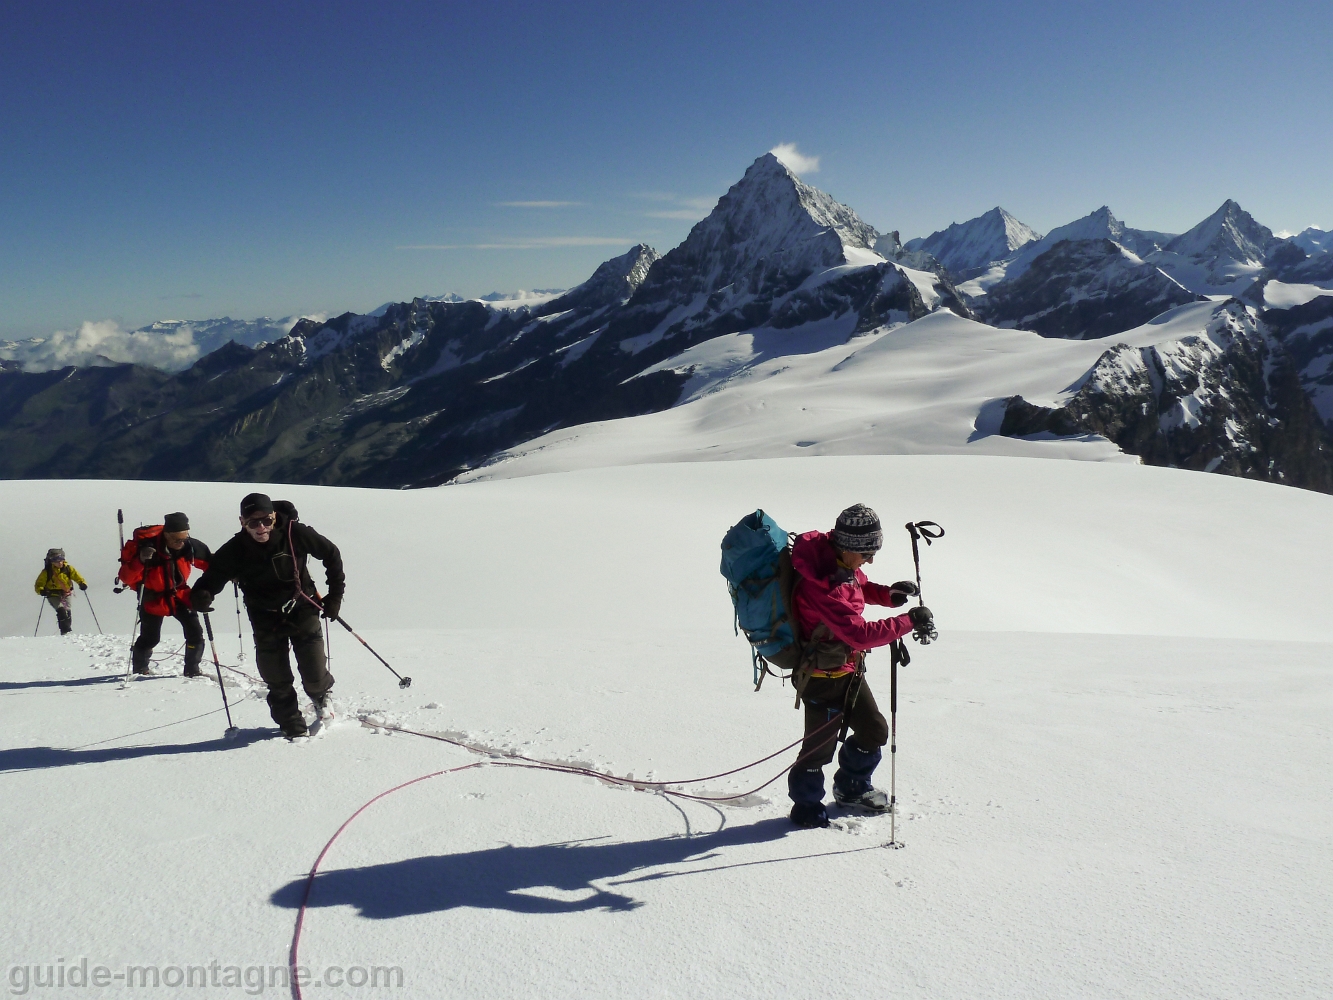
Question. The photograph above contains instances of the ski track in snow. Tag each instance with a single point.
(1112, 767)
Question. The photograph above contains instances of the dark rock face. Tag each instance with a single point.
(403, 398)
(1083, 290)
(1230, 401)
(1306, 331)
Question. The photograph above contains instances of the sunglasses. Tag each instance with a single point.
(260, 522)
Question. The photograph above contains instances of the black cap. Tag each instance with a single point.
(256, 503)
(175, 522)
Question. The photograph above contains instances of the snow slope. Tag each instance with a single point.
(933, 386)
(1095, 801)
(1281, 295)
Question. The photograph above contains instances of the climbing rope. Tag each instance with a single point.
(530, 764)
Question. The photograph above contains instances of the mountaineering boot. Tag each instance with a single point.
(321, 702)
(194, 652)
(809, 814)
(140, 657)
(294, 727)
(871, 800)
(851, 785)
(65, 620)
(806, 788)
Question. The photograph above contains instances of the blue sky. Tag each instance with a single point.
(201, 159)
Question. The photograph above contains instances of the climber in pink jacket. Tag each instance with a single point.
(830, 596)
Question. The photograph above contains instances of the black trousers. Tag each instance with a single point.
(824, 699)
(305, 637)
(150, 634)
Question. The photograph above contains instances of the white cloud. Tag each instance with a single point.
(101, 341)
(535, 243)
(796, 161)
(171, 345)
(690, 208)
(537, 204)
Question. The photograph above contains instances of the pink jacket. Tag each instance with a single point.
(826, 592)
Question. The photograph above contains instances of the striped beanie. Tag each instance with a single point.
(858, 530)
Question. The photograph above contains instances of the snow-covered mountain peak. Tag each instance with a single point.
(770, 205)
(614, 281)
(1230, 232)
(1099, 225)
(966, 246)
(1314, 240)
(771, 229)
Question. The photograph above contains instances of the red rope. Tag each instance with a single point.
(292, 958)
(531, 764)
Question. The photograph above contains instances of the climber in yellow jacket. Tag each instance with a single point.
(56, 583)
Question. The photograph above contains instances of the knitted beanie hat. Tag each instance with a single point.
(175, 522)
(858, 530)
(55, 555)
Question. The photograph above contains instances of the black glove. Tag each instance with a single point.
(146, 553)
(332, 606)
(900, 592)
(201, 600)
(83, 586)
(920, 616)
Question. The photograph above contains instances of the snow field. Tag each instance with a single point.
(1112, 766)
(931, 387)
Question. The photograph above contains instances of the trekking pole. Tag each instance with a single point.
(926, 633)
(403, 682)
(90, 608)
(240, 642)
(138, 617)
(40, 611)
(894, 657)
(232, 732)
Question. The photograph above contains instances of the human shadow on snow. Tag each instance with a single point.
(507, 878)
(36, 758)
(76, 682)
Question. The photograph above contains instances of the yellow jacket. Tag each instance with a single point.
(57, 579)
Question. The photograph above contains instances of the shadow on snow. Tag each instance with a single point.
(540, 879)
(76, 682)
(36, 758)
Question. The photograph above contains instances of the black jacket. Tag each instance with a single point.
(264, 572)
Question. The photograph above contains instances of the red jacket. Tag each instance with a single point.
(835, 596)
(164, 579)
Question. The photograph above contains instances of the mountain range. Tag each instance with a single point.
(1230, 332)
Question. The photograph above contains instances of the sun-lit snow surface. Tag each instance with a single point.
(934, 386)
(1141, 812)
(1280, 295)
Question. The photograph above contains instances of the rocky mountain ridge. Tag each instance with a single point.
(416, 393)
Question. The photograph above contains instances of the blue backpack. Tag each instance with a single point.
(756, 563)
